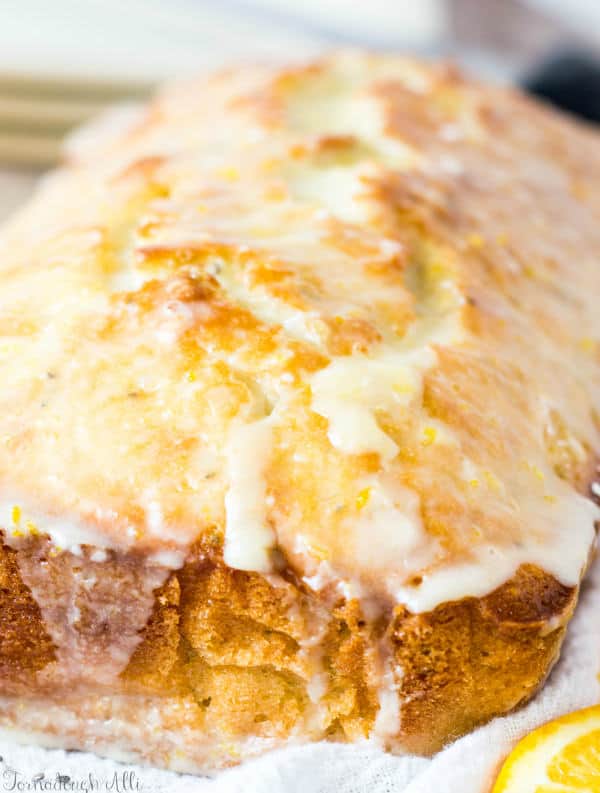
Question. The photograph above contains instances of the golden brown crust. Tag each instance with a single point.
(469, 661)
(223, 642)
(25, 647)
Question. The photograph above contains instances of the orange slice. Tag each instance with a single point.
(562, 756)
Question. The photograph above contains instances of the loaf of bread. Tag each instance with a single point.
(299, 412)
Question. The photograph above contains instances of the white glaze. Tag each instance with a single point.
(390, 527)
(20, 520)
(388, 719)
(248, 537)
(350, 390)
(562, 548)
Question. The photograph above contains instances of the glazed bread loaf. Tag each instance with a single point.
(299, 413)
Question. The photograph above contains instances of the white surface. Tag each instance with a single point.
(15, 186)
(153, 39)
(581, 14)
(467, 766)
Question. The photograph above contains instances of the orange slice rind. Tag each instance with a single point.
(562, 756)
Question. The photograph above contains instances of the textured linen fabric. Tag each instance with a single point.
(467, 766)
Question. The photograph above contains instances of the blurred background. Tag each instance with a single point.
(64, 60)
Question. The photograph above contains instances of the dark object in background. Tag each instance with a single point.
(514, 38)
(570, 80)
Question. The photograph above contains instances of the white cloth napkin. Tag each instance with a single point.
(467, 766)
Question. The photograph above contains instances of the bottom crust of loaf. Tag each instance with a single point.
(230, 664)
